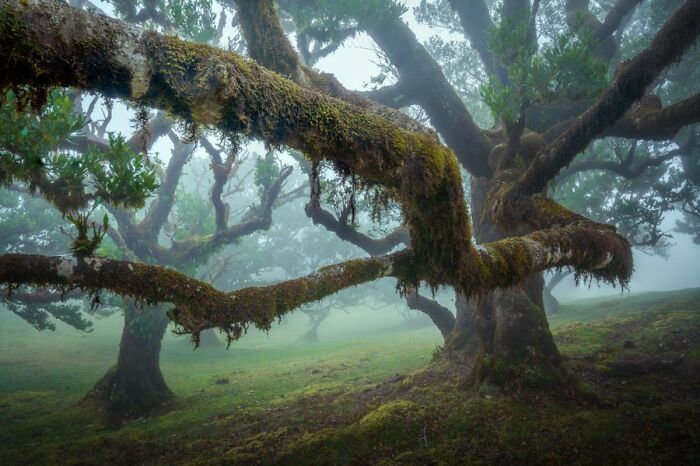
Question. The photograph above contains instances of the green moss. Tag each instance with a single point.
(388, 415)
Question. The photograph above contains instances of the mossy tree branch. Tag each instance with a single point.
(212, 87)
(270, 47)
(421, 79)
(200, 306)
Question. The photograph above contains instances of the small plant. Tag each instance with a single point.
(89, 236)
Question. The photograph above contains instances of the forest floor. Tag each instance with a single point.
(370, 400)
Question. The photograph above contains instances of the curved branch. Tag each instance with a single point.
(620, 169)
(629, 85)
(198, 305)
(651, 123)
(161, 206)
(420, 75)
(647, 121)
(614, 18)
(443, 319)
(578, 16)
(423, 78)
(345, 232)
(394, 95)
(258, 218)
(221, 172)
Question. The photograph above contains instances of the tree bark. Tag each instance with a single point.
(135, 384)
(506, 328)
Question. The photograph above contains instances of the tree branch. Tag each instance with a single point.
(443, 319)
(621, 169)
(259, 218)
(476, 22)
(161, 206)
(614, 18)
(423, 78)
(629, 85)
(345, 232)
(198, 305)
(213, 87)
(269, 46)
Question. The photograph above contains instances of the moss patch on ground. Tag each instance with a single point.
(377, 401)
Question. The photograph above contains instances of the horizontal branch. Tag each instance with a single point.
(347, 233)
(599, 253)
(621, 169)
(198, 304)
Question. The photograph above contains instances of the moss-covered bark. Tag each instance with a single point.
(198, 305)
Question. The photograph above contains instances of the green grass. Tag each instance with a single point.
(329, 403)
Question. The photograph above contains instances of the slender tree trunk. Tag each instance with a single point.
(135, 384)
(311, 336)
(551, 304)
(515, 345)
(463, 337)
(209, 340)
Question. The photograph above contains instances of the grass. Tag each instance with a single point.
(367, 398)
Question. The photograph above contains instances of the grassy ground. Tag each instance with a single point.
(369, 400)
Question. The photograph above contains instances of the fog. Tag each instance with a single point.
(114, 358)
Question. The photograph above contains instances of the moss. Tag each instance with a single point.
(388, 415)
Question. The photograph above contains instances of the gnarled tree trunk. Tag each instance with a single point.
(508, 327)
(135, 384)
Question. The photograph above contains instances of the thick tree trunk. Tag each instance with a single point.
(135, 384)
(508, 326)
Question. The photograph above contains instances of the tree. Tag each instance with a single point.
(521, 231)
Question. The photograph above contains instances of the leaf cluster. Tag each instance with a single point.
(564, 68)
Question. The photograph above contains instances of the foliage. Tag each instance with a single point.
(28, 224)
(267, 170)
(192, 215)
(564, 68)
(637, 207)
(31, 148)
(194, 19)
(86, 243)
